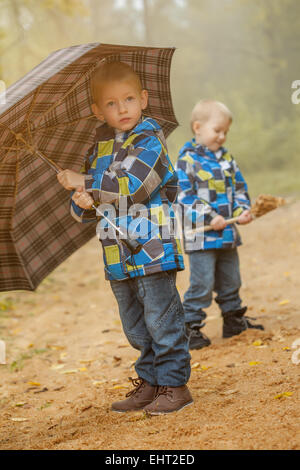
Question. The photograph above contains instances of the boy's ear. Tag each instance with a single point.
(144, 99)
(96, 110)
(196, 126)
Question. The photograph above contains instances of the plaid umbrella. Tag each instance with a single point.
(47, 121)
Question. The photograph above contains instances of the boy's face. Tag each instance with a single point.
(212, 133)
(120, 104)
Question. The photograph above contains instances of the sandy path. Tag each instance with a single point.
(68, 359)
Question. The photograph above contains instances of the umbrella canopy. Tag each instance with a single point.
(48, 114)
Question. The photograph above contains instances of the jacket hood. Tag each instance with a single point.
(188, 145)
(146, 124)
(200, 149)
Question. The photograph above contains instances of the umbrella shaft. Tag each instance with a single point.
(52, 165)
(133, 245)
(108, 220)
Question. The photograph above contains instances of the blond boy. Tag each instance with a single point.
(209, 175)
(132, 165)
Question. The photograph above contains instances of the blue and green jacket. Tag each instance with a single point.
(211, 184)
(123, 171)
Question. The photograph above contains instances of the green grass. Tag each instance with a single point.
(19, 363)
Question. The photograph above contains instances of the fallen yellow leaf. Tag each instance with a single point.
(140, 417)
(116, 387)
(284, 302)
(34, 384)
(97, 383)
(71, 371)
(283, 394)
(195, 365)
(258, 342)
(54, 346)
(57, 366)
(16, 331)
(286, 348)
(254, 363)
(82, 369)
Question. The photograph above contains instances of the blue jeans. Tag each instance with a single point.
(212, 270)
(153, 321)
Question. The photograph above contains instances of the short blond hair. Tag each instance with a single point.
(111, 72)
(203, 110)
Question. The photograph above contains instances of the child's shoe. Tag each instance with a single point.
(169, 399)
(235, 322)
(196, 338)
(138, 398)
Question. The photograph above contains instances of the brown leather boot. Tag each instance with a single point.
(169, 399)
(138, 398)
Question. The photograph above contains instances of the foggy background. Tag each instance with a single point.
(242, 52)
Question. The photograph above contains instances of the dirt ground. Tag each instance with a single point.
(68, 359)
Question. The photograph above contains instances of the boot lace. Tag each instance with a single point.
(164, 390)
(137, 383)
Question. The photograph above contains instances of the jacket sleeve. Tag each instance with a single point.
(241, 199)
(196, 208)
(136, 177)
(79, 214)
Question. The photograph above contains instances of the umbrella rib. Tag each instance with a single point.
(63, 123)
(31, 149)
(27, 117)
(15, 189)
(28, 126)
(9, 148)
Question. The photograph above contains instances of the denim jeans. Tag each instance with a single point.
(212, 270)
(153, 321)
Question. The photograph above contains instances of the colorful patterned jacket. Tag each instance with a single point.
(215, 181)
(122, 172)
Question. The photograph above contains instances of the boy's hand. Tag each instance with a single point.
(70, 179)
(82, 199)
(245, 218)
(218, 223)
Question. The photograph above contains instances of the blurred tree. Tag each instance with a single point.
(241, 52)
(274, 26)
(21, 17)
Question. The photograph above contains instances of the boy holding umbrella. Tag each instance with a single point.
(132, 165)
